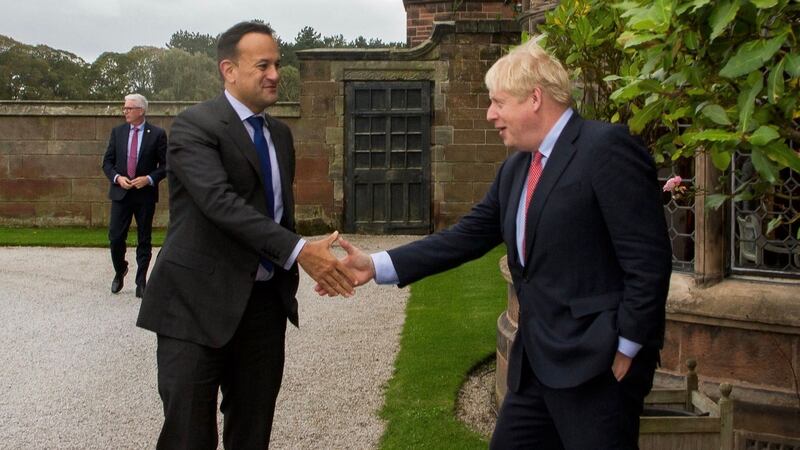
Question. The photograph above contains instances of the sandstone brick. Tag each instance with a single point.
(97, 148)
(311, 169)
(462, 101)
(310, 130)
(5, 166)
(16, 213)
(457, 192)
(60, 166)
(443, 172)
(319, 88)
(315, 70)
(469, 113)
(442, 135)
(75, 128)
(89, 190)
(474, 172)
(26, 128)
(63, 213)
(311, 149)
(493, 137)
(334, 135)
(469, 137)
(103, 126)
(34, 190)
(732, 353)
(22, 147)
(491, 153)
(314, 193)
(460, 153)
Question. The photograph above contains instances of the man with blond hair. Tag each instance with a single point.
(134, 162)
(579, 209)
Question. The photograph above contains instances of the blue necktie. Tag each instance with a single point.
(257, 122)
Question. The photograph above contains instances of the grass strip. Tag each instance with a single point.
(450, 328)
(66, 237)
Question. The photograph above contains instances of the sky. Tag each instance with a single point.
(91, 27)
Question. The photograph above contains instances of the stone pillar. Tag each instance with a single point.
(507, 325)
(421, 14)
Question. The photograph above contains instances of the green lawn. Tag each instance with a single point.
(66, 237)
(450, 327)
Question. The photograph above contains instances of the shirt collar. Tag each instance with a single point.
(552, 136)
(140, 126)
(242, 111)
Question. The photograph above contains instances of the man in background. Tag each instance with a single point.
(134, 163)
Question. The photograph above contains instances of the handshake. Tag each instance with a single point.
(336, 276)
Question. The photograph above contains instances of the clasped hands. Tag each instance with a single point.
(138, 182)
(335, 276)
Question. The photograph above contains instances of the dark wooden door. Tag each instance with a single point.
(387, 189)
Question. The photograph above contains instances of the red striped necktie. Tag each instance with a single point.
(534, 172)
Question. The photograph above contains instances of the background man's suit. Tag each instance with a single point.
(597, 266)
(202, 289)
(138, 203)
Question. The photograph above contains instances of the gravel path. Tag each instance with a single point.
(77, 373)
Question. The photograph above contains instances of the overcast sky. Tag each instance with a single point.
(91, 27)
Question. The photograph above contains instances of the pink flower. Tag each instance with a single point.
(672, 183)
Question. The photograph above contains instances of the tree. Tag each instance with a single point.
(179, 75)
(40, 72)
(289, 85)
(194, 42)
(109, 76)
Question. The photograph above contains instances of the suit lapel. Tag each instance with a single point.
(518, 181)
(559, 159)
(238, 134)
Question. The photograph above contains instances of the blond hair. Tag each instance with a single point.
(526, 67)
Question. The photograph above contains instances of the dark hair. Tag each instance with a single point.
(227, 41)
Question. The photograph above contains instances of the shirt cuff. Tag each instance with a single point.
(384, 269)
(293, 257)
(115, 178)
(628, 347)
(150, 180)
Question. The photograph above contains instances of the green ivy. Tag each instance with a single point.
(690, 76)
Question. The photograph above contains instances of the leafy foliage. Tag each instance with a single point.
(691, 76)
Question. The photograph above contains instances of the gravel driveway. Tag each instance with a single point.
(77, 373)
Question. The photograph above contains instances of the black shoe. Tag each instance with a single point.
(139, 290)
(119, 281)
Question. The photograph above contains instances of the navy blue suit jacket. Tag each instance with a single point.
(598, 255)
(152, 160)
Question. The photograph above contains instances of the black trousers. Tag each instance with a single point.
(597, 415)
(248, 370)
(122, 212)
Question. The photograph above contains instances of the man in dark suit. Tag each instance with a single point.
(224, 282)
(134, 163)
(578, 207)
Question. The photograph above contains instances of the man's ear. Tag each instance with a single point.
(227, 68)
(536, 98)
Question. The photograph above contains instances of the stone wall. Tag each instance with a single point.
(51, 156)
(465, 150)
(421, 14)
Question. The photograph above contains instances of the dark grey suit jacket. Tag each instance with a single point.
(598, 254)
(204, 274)
(151, 161)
